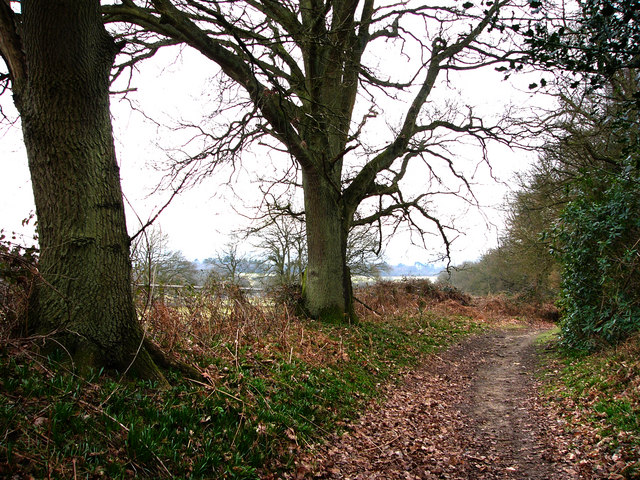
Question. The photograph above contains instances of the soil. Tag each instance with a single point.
(470, 413)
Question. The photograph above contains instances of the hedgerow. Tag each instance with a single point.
(597, 242)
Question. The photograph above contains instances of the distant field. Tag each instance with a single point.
(358, 280)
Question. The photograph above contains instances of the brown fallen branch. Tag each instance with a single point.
(366, 306)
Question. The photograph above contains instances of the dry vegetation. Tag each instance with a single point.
(272, 383)
(222, 320)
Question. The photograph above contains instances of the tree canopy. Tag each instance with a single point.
(325, 83)
(595, 38)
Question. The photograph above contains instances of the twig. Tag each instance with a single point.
(314, 424)
(126, 429)
(236, 348)
(367, 306)
(230, 395)
(379, 447)
(233, 442)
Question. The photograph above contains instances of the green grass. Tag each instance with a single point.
(548, 336)
(257, 410)
(602, 390)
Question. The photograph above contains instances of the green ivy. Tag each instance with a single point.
(596, 241)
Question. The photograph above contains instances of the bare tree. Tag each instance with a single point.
(314, 79)
(281, 236)
(229, 264)
(283, 242)
(154, 265)
(363, 252)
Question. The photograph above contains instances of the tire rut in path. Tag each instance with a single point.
(470, 413)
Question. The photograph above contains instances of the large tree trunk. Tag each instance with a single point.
(85, 296)
(327, 284)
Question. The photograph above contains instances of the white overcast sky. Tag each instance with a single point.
(199, 221)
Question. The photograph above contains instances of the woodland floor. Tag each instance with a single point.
(470, 413)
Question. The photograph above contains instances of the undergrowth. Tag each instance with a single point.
(600, 392)
(271, 385)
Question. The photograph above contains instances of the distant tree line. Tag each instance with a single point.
(278, 258)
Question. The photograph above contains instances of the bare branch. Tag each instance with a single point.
(151, 220)
(11, 49)
(441, 52)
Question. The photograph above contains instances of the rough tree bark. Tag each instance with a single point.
(327, 287)
(59, 67)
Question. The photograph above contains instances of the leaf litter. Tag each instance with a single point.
(473, 412)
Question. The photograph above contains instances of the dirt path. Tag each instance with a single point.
(471, 413)
(504, 428)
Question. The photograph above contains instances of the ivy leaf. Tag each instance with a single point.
(467, 5)
(533, 85)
